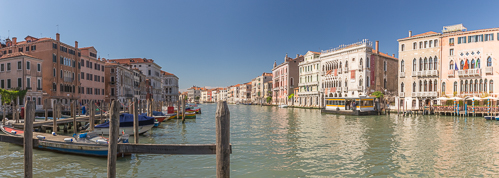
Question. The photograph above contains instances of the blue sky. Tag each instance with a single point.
(220, 43)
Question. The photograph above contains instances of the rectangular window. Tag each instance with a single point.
(451, 52)
(28, 64)
(61, 74)
(112, 91)
(2, 68)
(82, 75)
(54, 45)
(28, 82)
(451, 41)
(19, 65)
(39, 84)
(39, 67)
(27, 48)
(8, 83)
(54, 58)
(19, 82)
(21, 49)
(102, 91)
(2, 84)
(8, 66)
(62, 60)
(149, 72)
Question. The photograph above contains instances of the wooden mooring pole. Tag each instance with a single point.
(178, 109)
(28, 138)
(223, 139)
(183, 111)
(55, 115)
(135, 121)
(130, 111)
(75, 126)
(113, 138)
(91, 119)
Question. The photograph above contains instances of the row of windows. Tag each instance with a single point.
(19, 66)
(33, 48)
(65, 49)
(474, 64)
(92, 91)
(473, 38)
(424, 64)
(91, 77)
(335, 102)
(422, 45)
(473, 86)
(19, 83)
(308, 68)
(90, 63)
(424, 86)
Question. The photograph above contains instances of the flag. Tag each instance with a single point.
(466, 65)
(456, 66)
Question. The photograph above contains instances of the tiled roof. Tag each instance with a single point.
(133, 60)
(315, 52)
(41, 39)
(15, 55)
(422, 34)
(384, 55)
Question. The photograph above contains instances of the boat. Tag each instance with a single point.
(188, 115)
(156, 123)
(488, 117)
(50, 118)
(89, 144)
(283, 106)
(159, 116)
(191, 109)
(126, 124)
(497, 118)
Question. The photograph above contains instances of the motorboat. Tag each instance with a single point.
(283, 106)
(126, 124)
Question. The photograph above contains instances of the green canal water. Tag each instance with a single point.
(287, 142)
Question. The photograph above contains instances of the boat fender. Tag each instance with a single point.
(103, 142)
(13, 132)
(40, 137)
(68, 140)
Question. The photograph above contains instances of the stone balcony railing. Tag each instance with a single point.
(450, 73)
(345, 69)
(488, 70)
(402, 74)
(424, 94)
(402, 94)
(469, 72)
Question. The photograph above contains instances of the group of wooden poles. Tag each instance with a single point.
(222, 148)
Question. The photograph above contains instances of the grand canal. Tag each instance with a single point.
(287, 142)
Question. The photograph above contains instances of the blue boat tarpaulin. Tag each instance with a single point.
(155, 113)
(126, 120)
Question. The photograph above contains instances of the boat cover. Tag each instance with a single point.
(126, 120)
(155, 113)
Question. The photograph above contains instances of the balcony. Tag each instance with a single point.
(469, 72)
(339, 89)
(414, 73)
(402, 94)
(112, 83)
(402, 74)
(450, 73)
(488, 70)
(68, 79)
(345, 69)
(423, 94)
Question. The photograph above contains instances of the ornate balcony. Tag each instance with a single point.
(414, 73)
(488, 70)
(450, 73)
(402, 74)
(402, 94)
(469, 72)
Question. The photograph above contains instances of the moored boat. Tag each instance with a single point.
(488, 117)
(126, 124)
(283, 106)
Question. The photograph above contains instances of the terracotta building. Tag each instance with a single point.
(60, 62)
(285, 76)
(91, 76)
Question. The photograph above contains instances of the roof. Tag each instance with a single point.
(133, 60)
(86, 48)
(16, 54)
(315, 52)
(384, 55)
(40, 39)
(167, 73)
(422, 34)
(267, 74)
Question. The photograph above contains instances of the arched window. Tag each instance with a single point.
(455, 86)
(360, 82)
(368, 63)
(430, 86)
(360, 62)
(414, 65)
(420, 45)
(451, 65)
(402, 66)
(414, 87)
(485, 85)
(430, 64)
(384, 65)
(414, 45)
(443, 87)
(489, 62)
(420, 64)
(478, 63)
(425, 64)
(461, 89)
(435, 43)
(402, 87)
(475, 87)
(402, 47)
(480, 85)
(429, 44)
(340, 65)
(468, 62)
(346, 64)
(435, 85)
(471, 86)
(461, 65)
(435, 63)
(472, 64)
(425, 86)
(491, 86)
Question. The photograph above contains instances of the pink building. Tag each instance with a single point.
(284, 78)
(469, 62)
(91, 76)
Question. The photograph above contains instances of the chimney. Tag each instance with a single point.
(393, 55)
(377, 47)
(57, 37)
(15, 40)
(297, 55)
(410, 33)
(76, 44)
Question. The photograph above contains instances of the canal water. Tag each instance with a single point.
(288, 142)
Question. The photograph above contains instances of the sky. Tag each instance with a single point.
(222, 43)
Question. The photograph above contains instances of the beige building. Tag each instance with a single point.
(170, 86)
(257, 85)
(419, 69)
(91, 76)
(267, 90)
(22, 71)
(245, 93)
(308, 84)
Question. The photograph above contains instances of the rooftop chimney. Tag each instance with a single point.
(57, 37)
(76, 44)
(393, 55)
(297, 55)
(14, 39)
(410, 33)
(377, 47)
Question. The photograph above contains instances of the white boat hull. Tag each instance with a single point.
(128, 130)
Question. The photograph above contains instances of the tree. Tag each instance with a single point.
(378, 94)
(197, 98)
(269, 99)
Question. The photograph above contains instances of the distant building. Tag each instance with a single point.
(170, 86)
(267, 90)
(309, 89)
(257, 93)
(91, 76)
(284, 78)
(119, 82)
